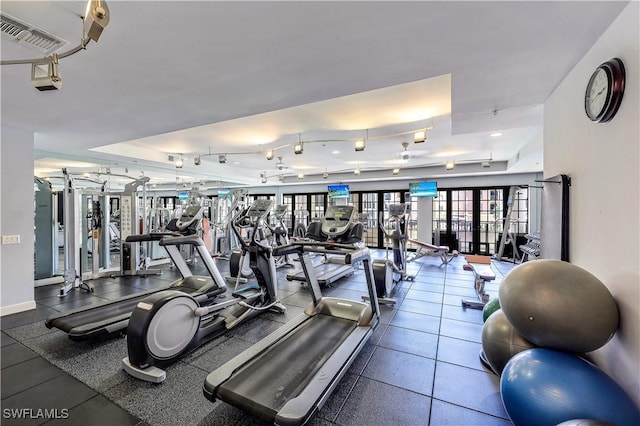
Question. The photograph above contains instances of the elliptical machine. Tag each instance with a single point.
(169, 324)
(388, 273)
(239, 268)
(280, 233)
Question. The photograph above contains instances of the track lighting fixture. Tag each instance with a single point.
(420, 136)
(325, 175)
(179, 162)
(222, 158)
(46, 76)
(96, 18)
(197, 160)
(270, 154)
(396, 171)
(44, 71)
(357, 171)
(300, 176)
(298, 147)
(450, 165)
(359, 146)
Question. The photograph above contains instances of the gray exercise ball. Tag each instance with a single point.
(557, 305)
(500, 341)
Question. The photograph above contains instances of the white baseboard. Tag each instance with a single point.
(20, 307)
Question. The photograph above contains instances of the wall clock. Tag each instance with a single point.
(604, 91)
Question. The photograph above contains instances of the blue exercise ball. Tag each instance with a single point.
(542, 386)
(557, 305)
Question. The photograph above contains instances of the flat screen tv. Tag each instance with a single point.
(338, 191)
(423, 189)
(183, 196)
(223, 192)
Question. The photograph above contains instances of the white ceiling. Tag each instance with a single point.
(209, 77)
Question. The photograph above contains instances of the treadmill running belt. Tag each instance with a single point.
(266, 383)
(92, 316)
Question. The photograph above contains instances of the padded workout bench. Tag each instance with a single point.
(481, 268)
(426, 248)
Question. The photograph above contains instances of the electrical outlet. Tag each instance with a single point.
(11, 239)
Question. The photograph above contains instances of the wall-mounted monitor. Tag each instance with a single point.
(183, 196)
(223, 192)
(423, 189)
(338, 191)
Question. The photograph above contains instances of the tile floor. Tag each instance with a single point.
(421, 366)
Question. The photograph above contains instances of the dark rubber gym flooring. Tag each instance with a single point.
(421, 367)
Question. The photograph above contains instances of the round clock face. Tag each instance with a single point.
(604, 91)
(597, 93)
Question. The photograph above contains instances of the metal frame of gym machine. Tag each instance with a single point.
(224, 240)
(71, 202)
(387, 273)
(75, 223)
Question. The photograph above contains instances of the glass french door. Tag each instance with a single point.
(369, 210)
(492, 211)
(462, 224)
(471, 220)
(318, 206)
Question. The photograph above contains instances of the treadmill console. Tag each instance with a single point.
(337, 220)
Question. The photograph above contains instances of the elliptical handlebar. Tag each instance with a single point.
(278, 212)
(397, 215)
(252, 217)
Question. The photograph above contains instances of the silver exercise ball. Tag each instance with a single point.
(500, 341)
(585, 422)
(557, 305)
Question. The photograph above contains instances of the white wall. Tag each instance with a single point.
(16, 218)
(603, 161)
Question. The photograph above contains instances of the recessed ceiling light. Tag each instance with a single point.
(335, 152)
(496, 134)
(236, 162)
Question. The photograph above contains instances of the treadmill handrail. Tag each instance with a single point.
(351, 253)
(152, 236)
(193, 240)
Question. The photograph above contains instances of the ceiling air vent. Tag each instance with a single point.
(29, 36)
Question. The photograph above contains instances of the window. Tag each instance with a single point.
(370, 209)
(318, 206)
(287, 200)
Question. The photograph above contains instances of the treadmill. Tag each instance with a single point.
(338, 227)
(104, 319)
(286, 377)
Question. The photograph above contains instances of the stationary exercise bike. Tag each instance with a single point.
(388, 273)
(169, 324)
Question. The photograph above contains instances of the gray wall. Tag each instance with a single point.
(16, 218)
